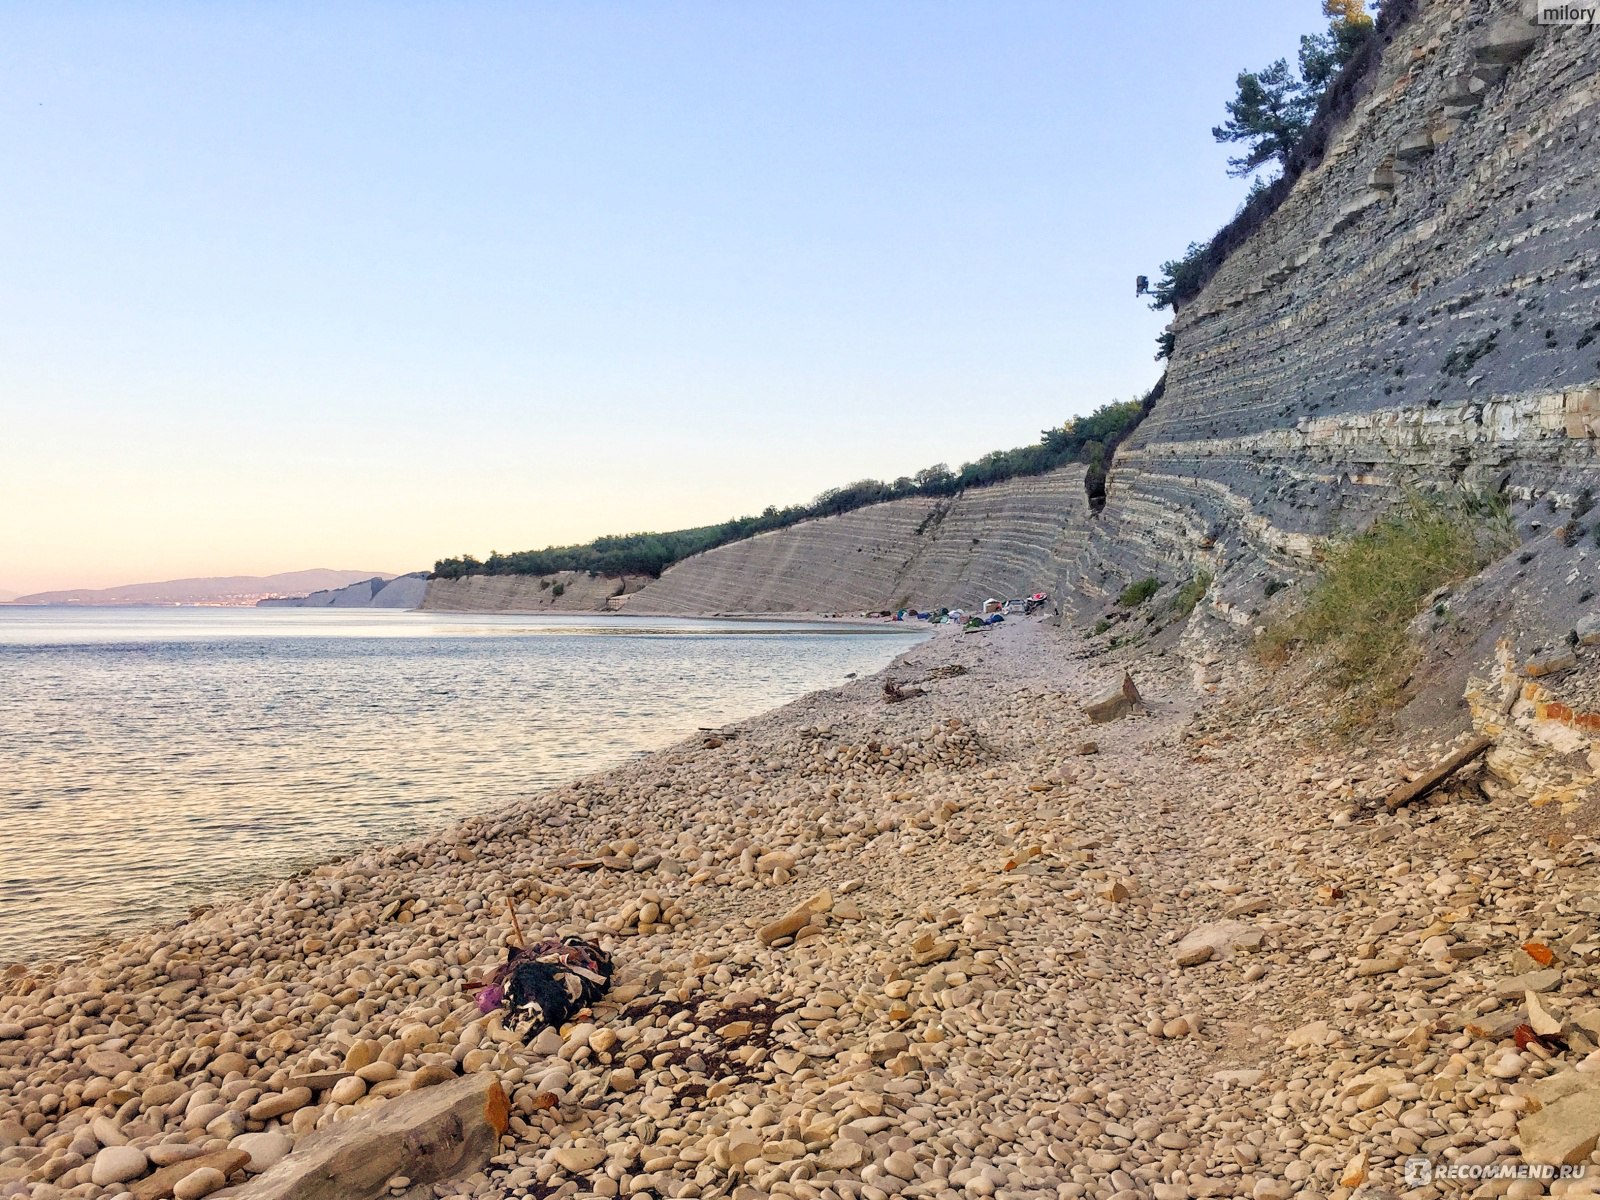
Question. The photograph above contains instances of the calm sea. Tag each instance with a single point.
(154, 758)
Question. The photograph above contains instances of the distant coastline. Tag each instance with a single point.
(228, 591)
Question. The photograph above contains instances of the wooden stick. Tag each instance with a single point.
(1431, 779)
(511, 908)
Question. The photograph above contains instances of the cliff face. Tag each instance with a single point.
(403, 591)
(1424, 308)
(1006, 540)
(1422, 311)
(524, 594)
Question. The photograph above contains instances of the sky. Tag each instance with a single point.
(363, 285)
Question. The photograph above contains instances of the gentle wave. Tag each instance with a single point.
(153, 759)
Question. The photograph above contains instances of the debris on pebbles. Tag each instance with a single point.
(949, 949)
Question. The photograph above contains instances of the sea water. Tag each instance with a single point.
(153, 759)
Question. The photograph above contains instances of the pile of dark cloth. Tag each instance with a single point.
(548, 982)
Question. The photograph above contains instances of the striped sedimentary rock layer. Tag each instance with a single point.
(1006, 540)
(1424, 308)
(579, 592)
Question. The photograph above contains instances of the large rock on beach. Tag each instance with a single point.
(1114, 703)
(1565, 1127)
(425, 1136)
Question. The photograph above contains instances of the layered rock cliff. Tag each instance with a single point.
(403, 592)
(1005, 540)
(567, 591)
(1423, 309)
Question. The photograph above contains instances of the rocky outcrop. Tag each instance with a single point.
(566, 591)
(403, 591)
(1006, 540)
(1423, 309)
(227, 590)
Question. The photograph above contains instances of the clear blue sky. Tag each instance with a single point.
(360, 285)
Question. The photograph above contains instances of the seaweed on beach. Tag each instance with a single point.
(721, 1044)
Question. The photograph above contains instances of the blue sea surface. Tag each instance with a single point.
(152, 759)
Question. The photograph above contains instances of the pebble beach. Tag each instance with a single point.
(965, 945)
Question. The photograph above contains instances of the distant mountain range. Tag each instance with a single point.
(241, 590)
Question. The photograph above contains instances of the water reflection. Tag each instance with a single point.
(153, 758)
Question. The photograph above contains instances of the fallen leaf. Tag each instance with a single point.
(1541, 1045)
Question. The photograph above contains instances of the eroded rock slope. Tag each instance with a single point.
(1422, 309)
(1006, 540)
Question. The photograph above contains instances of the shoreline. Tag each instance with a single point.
(45, 933)
(978, 991)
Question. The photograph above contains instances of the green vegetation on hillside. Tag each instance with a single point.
(1138, 592)
(1089, 440)
(1355, 618)
(1191, 593)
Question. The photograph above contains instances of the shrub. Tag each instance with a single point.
(1180, 277)
(1460, 361)
(559, 589)
(1356, 614)
(1136, 594)
(1191, 593)
(1101, 626)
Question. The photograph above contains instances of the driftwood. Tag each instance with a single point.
(1432, 778)
(893, 693)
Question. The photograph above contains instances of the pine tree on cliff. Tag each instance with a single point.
(1269, 114)
(1274, 106)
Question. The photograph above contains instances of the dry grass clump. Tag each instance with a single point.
(1191, 593)
(1371, 586)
